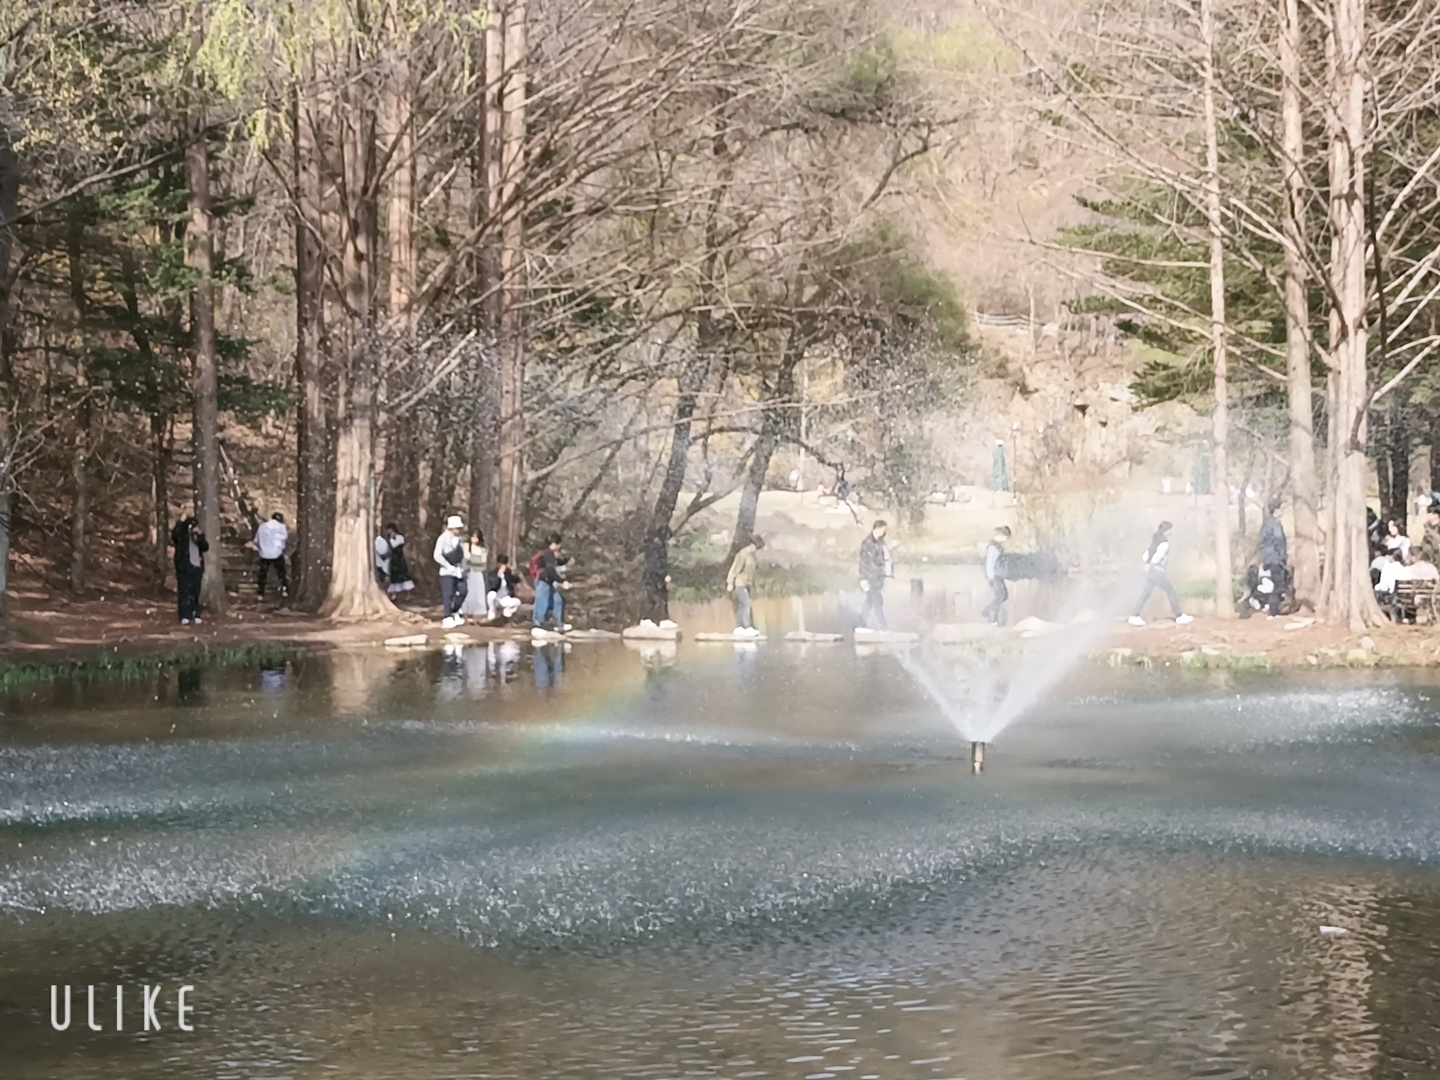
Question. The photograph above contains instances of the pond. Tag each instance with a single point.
(718, 861)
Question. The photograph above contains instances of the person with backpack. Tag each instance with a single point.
(995, 576)
(547, 571)
(450, 558)
(1156, 556)
(876, 565)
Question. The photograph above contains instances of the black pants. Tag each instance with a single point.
(187, 585)
(279, 566)
(994, 611)
(872, 613)
(453, 591)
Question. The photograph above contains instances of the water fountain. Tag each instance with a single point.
(1000, 692)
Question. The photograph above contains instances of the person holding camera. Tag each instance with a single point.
(190, 548)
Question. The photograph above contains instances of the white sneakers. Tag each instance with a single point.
(452, 621)
(1181, 620)
(648, 622)
(746, 631)
(566, 628)
(184, 622)
(668, 624)
(1135, 620)
(540, 631)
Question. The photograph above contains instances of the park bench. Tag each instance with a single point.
(1413, 597)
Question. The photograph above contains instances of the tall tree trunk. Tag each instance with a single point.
(775, 418)
(655, 546)
(9, 206)
(80, 449)
(1351, 599)
(440, 496)
(1224, 575)
(485, 435)
(1380, 435)
(314, 461)
(510, 526)
(200, 257)
(162, 454)
(353, 590)
(1305, 552)
(1398, 440)
(1435, 453)
(160, 449)
(401, 498)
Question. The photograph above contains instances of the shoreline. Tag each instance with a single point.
(125, 632)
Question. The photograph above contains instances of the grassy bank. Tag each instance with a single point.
(696, 584)
(113, 664)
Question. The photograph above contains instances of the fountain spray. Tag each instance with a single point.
(977, 758)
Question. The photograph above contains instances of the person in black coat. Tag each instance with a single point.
(1274, 557)
(190, 548)
(502, 590)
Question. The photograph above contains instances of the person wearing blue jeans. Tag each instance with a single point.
(549, 587)
(738, 582)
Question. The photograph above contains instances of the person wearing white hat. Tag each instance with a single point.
(450, 557)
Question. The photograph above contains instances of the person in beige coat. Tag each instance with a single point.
(739, 581)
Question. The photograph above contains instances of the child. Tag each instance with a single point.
(995, 575)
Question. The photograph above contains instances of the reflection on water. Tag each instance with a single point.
(766, 860)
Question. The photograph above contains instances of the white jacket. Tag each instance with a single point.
(271, 539)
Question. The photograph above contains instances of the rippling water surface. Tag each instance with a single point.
(726, 862)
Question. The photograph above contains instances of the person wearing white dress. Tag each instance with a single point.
(477, 561)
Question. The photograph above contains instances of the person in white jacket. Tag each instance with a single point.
(271, 540)
(1155, 578)
(450, 558)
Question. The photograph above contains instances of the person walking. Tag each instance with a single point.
(190, 548)
(739, 580)
(548, 570)
(875, 566)
(391, 566)
(1156, 556)
(502, 586)
(995, 576)
(449, 556)
(271, 540)
(477, 563)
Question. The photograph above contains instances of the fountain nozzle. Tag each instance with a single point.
(977, 758)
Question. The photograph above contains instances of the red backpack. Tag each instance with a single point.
(534, 567)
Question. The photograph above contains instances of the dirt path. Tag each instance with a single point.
(139, 625)
(1281, 642)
